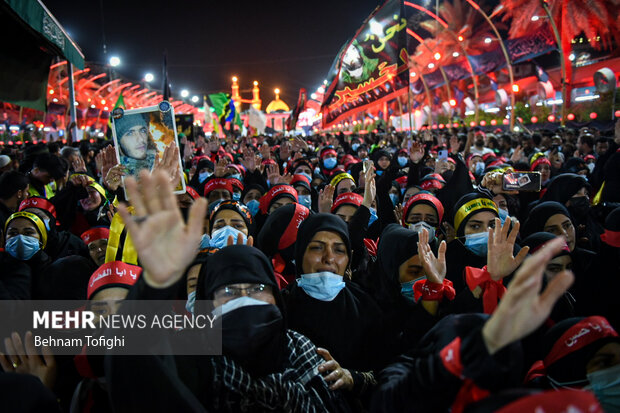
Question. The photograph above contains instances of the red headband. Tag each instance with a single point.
(276, 191)
(40, 203)
(540, 161)
(611, 238)
(434, 181)
(348, 198)
(290, 233)
(585, 332)
(329, 152)
(218, 183)
(427, 198)
(192, 192)
(113, 274)
(300, 178)
(236, 183)
(95, 234)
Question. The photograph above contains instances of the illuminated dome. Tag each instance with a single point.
(277, 105)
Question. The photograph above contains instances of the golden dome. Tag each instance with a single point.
(277, 105)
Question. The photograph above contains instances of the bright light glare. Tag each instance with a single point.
(149, 77)
(195, 99)
(115, 61)
(376, 28)
(184, 93)
(488, 40)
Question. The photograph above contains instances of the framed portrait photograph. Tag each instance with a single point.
(141, 135)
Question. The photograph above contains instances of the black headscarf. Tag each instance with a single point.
(350, 325)
(66, 279)
(239, 208)
(539, 215)
(316, 223)
(563, 187)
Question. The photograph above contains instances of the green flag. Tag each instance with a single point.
(120, 103)
(224, 108)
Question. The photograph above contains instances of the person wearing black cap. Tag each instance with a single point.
(328, 308)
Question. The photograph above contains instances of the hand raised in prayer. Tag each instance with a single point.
(285, 151)
(28, 361)
(166, 245)
(417, 152)
(109, 160)
(273, 174)
(517, 154)
(370, 188)
(78, 165)
(524, 307)
(334, 375)
(114, 177)
(169, 163)
(249, 160)
(434, 266)
(220, 167)
(500, 259)
(326, 199)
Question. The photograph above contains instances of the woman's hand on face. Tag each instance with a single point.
(333, 374)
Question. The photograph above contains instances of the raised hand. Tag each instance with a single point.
(524, 307)
(335, 375)
(27, 361)
(114, 177)
(299, 144)
(109, 160)
(99, 161)
(285, 179)
(417, 152)
(249, 160)
(434, 266)
(78, 165)
(326, 199)
(220, 167)
(166, 245)
(285, 151)
(517, 154)
(500, 259)
(370, 188)
(265, 150)
(169, 163)
(493, 181)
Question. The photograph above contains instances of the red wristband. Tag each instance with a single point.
(430, 291)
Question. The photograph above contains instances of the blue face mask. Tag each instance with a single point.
(191, 300)
(477, 243)
(205, 241)
(253, 206)
(395, 198)
(379, 173)
(306, 175)
(355, 146)
(323, 286)
(219, 237)
(236, 196)
(402, 161)
(330, 163)
(605, 384)
(202, 176)
(406, 289)
(236, 303)
(22, 247)
(479, 169)
(237, 176)
(373, 216)
(305, 200)
(503, 214)
(317, 170)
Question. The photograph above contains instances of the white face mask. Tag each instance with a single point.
(236, 303)
(419, 226)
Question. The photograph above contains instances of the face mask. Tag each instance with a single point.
(22, 247)
(373, 216)
(419, 226)
(479, 169)
(191, 299)
(379, 173)
(323, 286)
(205, 241)
(355, 146)
(306, 175)
(202, 176)
(253, 335)
(240, 302)
(219, 237)
(591, 166)
(253, 206)
(330, 163)
(579, 207)
(46, 221)
(503, 214)
(395, 199)
(406, 289)
(317, 170)
(237, 176)
(236, 196)
(605, 384)
(402, 161)
(305, 200)
(477, 243)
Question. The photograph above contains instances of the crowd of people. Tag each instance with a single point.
(353, 272)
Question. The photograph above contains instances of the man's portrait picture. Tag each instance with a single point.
(141, 135)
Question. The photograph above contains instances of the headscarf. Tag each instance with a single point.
(348, 198)
(236, 206)
(538, 216)
(469, 205)
(538, 240)
(95, 234)
(316, 223)
(302, 180)
(65, 279)
(562, 188)
(276, 192)
(423, 198)
(38, 224)
(278, 236)
(432, 181)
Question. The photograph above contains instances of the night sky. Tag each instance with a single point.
(285, 43)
